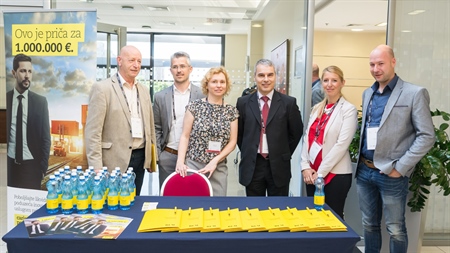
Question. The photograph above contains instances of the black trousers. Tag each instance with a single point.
(137, 160)
(27, 174)
(262, 181)
(335, 192)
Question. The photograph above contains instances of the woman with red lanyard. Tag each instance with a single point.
(330, 131)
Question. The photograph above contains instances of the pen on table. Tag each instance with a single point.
(248, 211)
(309, 210)
(229, 212)
(175, 210)
(325, 213)
(271, 210)
(290, 210)
(210, 211)
(189, 211)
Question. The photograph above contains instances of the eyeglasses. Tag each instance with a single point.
(181, 67)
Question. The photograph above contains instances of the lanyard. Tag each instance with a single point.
(319, 126)
(125, 96)
(369, 113)
(173, 102)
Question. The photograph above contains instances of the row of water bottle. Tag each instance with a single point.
(75, 191)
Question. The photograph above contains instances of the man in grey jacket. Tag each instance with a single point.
(169, 108)
(397, 131)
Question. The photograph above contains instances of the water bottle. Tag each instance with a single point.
(66, 170)
(319, 193)
(132, 185)
(58, 180)
(124, 197)
(113, 193)
(67, 196)
(80, 170)
(83, 196)
(88, 187)
(52, 196)
(97, 196)
(74, 185)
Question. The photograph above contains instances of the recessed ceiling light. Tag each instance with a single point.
(127, 7)
(167, 23)
(406, 31)
(257, 25)
(357, 30)
(416, 12)
(146, 27)
(381, 24)
(155, 8)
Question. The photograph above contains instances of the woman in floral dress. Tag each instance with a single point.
(209, 132)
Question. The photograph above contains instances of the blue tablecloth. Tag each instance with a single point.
(132, 242)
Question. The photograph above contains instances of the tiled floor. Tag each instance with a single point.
(234, 189)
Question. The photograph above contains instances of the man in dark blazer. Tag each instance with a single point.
(28, 169)
(266, 148)
(396, 132)
(169, 108)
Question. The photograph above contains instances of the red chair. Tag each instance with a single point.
(193, 184)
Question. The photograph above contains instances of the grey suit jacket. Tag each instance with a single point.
(406, 131)
(108, 125)
(163, 109)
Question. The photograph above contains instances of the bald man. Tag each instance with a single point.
(397, 131)
(120, 127)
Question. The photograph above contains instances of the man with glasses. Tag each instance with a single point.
(169, 108)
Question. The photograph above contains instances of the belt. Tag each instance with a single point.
(368, 163)
(170, 150)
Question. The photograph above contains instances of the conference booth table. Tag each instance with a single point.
(130, 241)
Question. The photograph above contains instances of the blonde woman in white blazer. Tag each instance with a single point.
(331, 127)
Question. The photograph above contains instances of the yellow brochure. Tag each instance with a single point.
(191, 220)
(295, 222)
(274, 221)
(160, 220)
(252, 220)
(332, 221)
(211, 221)
(313, 219)
(230, 220)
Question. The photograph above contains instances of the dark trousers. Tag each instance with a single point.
(137, 160)
(262, 181)
(335, 192)
(25, 175)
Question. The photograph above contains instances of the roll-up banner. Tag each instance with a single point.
(50, 60)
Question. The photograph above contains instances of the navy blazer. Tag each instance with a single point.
(283, 130)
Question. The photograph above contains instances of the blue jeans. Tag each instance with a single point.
(380, 194)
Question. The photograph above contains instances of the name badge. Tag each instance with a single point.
(314, 151)
(136, 128)
(372, 137)
(214, 147)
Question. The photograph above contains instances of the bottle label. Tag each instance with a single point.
(82, 204)
(113, 200)
(97, 204)
(74, 199)
(67, 204)
(59, 198)
(124, 200)
(52, 203)
(319, 200)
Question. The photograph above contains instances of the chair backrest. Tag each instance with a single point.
(194, 184)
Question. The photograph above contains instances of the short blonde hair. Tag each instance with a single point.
(215, 71)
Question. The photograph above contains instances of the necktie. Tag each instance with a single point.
(19, 135)
(264, 114)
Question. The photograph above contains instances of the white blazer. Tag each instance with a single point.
(339, 132)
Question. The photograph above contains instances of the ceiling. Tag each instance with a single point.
(216, 16)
